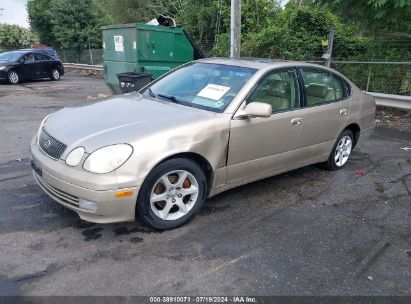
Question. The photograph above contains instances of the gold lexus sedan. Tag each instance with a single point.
(205, 127)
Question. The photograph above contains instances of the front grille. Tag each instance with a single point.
(51, 146)
(57, 194)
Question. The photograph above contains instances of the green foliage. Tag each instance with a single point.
(405, 87)
(297, 32)
(199, 19)
(76, 24)
(71, 24)
(16, 36)
(202, 19)
(125, 11)
(373, 15)
(365, 29)
(387, 26)
(40, 17)
(206, 19)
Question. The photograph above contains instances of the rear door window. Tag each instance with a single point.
(41, 57)
(322, 86)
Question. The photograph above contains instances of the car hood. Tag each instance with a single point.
(6, 63)
(118, 119)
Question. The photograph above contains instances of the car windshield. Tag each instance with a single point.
(202, 85)
(10, 56)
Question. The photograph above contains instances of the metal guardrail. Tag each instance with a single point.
(385, 100)
(83, 66)
(391, 101)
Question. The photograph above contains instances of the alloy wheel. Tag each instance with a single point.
(56, 74)
(13, 77)
(343, 150)
(174, 195)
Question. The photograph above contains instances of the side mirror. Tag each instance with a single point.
(255, 109)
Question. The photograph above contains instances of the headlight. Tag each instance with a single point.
(41, 127)
(2, 68)
(75, 156)
(107, 159)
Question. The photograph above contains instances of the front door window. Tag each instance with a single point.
(279, 89)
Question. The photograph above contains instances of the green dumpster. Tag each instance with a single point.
(142, 48)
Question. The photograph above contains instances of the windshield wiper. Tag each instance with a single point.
(174, 99)
(151, 93)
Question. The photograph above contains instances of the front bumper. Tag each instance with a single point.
(3, 75)
(69, 187)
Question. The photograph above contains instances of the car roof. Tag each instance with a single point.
(258, 63)
(31, 52)
(34, 49)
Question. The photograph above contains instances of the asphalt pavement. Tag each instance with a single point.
(306, 232)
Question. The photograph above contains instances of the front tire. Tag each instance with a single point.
(172, 194)
(13, 77)
(341, 151)
(55, 74)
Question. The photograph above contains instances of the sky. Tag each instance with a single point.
(14, 12)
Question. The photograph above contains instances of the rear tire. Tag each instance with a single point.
(341, 151)
(55, 74)
(172, 194)
(13, 77)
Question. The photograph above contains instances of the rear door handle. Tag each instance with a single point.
(296, 121)
(343, 112)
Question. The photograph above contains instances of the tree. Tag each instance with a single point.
(391, 16)
(388, 22)
(126, 11)
(16, 36)
(40, 17)
(205, 20)
(296, 34)
(208, 21)
(76, 24)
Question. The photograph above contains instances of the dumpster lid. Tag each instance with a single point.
(134, 74)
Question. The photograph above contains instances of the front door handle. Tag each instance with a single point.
(296, 121)
(343, 112)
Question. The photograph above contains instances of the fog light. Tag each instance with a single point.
(88, 205)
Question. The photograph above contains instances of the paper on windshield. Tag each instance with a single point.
(213, 91)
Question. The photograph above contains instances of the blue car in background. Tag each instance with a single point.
(17, 66)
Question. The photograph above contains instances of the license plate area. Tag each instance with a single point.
(36, 168)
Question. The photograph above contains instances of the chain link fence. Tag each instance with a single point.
(390, 77)
(372, 76)
(380, 77)
(89, 56)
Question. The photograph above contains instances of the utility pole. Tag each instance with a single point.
(235, 39)
(330, 47)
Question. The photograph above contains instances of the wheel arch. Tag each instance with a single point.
(355, 129)
(203, 163)
(200, 160)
